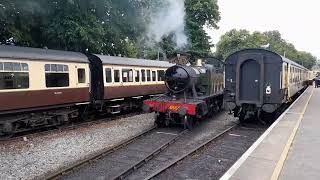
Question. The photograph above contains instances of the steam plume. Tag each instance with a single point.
(170, 19)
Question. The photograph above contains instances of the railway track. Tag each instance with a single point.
(193, 151)
(213, 160)
(71, 126)
(166, 137)
(130, 160)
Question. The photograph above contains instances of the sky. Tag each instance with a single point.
(298, 21)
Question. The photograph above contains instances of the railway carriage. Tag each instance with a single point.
(48, 83)
(258, 82)
(312, 75)
(127, 82)
(42, 88)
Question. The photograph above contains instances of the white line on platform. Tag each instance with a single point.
(173, 134)
(245, 156)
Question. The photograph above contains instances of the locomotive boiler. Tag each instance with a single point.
(193, 93)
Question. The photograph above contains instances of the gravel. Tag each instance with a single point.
(36, 156)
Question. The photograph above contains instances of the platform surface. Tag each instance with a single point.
(303, 160)
(289, 149)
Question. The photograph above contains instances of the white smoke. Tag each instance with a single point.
(169, 20)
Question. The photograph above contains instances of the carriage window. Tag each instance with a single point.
(291, 75)
(148, 75)
(14, 80)
(57, 75)
(47, 67)
(81, 75)
(14, 75)
(127, 75)
(65, 68)
(57, 79)
(137, 76)
(54, 68)
(160, 75)
(143, 75)
(108, 75)
(60, 68)
(154, 76)
(24, 67)
(116, 74)
(16, 66)
(8, 66)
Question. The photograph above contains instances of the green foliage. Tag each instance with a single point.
(236, 40)
(200, 13)
(101, 26)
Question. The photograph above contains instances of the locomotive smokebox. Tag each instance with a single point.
(179, 78)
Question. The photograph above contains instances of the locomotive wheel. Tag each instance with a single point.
(188, 122)
(159, 120)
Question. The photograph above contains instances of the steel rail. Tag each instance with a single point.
(96, 156)
(153, 154)
(190, 153)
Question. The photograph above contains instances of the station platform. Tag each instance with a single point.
(289, 149)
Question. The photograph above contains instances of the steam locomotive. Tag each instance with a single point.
(193, 92)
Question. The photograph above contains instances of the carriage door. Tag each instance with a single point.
(249, 85)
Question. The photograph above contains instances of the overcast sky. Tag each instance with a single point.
(297, 20)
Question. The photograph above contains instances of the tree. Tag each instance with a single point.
(200, 13)
(235, 40)
(101, 26)
(72, 29)
(20, 22)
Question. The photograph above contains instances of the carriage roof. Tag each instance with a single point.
(15, 52)
(283, 59)
(114, 60)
